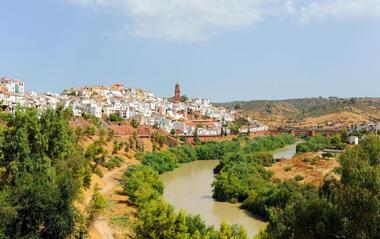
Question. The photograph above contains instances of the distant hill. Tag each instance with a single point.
(330, 112)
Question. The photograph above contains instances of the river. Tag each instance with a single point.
(189, 188)
(287, 152)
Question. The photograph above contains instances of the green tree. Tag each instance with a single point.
(345, 207)
(135, 124)
(141, 178)
(156, 220)
(8, 213)
(159, 139)
(232, 232)
(96, 206)
(96, 154)
(44, 171)
(115, 118)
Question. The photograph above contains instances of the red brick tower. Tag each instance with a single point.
(177, 94)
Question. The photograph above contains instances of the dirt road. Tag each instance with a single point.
(111, 181)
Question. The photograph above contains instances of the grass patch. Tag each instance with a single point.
(122, 221)
(299, 178)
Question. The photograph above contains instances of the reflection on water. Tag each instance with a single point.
(189, 188)
(286, 152)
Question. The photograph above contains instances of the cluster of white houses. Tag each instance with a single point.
(183, 116)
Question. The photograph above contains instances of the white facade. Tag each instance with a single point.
(354, 140)
(12, 86)
(128, 103)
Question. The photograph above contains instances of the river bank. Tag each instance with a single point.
(189, 187)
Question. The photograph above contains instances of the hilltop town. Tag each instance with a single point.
(177, 115)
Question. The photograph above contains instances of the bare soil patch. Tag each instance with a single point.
(310, 166)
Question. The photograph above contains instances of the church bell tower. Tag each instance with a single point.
(177, 94)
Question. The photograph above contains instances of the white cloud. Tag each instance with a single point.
(193, 20)
(199, 20)
(340, 9)
(189, 20)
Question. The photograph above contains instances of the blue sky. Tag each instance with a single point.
(219, 49)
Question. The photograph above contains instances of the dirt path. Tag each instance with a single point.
(111, 180)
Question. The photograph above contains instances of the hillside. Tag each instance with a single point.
(329, 112)
(110, 141)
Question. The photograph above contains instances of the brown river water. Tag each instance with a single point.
(189, 188)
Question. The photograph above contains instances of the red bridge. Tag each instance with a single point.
(294, 132)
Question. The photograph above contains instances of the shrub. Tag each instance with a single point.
(90, 131)
(98, 172)
(115, 118)
(113, 163)
(96, 205)
(299, 177)
(287, 168)
(141, 183)
(328, 155)
(160, 161)
(116, 147)
(126, 147)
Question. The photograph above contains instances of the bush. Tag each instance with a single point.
(115, 162)
(237, 179)
(140, 179)
(98, 172)
(90, 131)
(328, 155)
(184, 153)
(269, 143)
(126, 147)
(276, 196)
(135, 124)
(116, 147)
(287, 168)
(159, 138)
(115, 118)
(320, 142)
(96, 205)
(160, 161)
(299, 177)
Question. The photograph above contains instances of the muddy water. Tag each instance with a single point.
(189, 188)
(287, 152)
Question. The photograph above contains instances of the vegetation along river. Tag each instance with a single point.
(189, 188)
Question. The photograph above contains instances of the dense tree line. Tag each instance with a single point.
(241, 172)
(346, 206)
(42, 171)
(157, 219)
(319, 142)
(168, 160)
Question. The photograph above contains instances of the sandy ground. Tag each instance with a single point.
(112, 191)
(312, 171)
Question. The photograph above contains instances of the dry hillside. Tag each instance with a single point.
(112, 223)
(307, 112)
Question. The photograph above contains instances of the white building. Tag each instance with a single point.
(12, 85)
(354, 140)
(94, 109)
